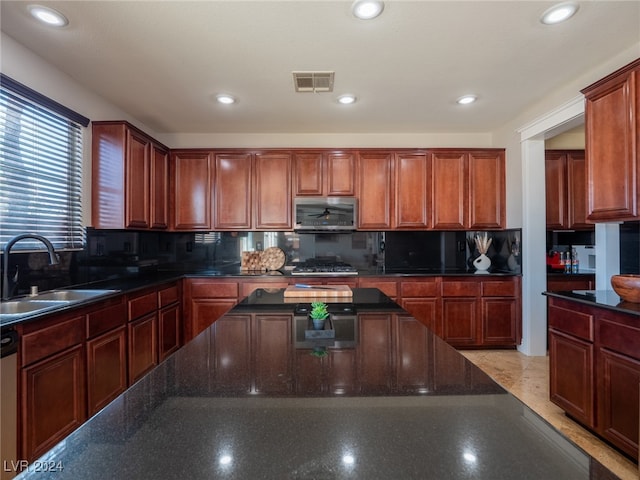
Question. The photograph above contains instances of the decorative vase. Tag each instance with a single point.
(482, 263)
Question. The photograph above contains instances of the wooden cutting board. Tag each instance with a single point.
(336, 291)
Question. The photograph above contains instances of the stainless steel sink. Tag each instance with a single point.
(72, 295)
(22, 307)
(12, 310)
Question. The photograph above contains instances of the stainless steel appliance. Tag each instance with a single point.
(322, 267)
(326, 214)
(8, 403)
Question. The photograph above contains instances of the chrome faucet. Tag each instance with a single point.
(53, 260)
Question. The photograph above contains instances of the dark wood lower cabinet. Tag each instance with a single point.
(169, 331)
(143, 346)
(374, 352)
(273, 341)
(594, 365)
(413, 364)
(106, 368)
(459, 321)
(618, 399)
(53, 401)
(571, 376)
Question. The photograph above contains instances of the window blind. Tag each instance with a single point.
(40, 171)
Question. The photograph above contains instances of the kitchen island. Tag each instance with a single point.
(249, 397)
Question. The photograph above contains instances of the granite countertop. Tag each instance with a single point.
(599, 298)
(242, 401)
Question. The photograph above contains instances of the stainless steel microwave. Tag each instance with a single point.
(325, 214)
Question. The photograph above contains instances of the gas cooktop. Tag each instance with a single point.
(323, 267)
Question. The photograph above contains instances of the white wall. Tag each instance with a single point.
(524, 139)
(23, 66)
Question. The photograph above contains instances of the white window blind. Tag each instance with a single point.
(40, 169)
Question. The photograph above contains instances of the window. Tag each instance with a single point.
(40, 169)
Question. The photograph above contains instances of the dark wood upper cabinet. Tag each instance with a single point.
(565, 185)
(129, 178)
(191, 172)
(340, 174)
(375, 190)
(412, 190)
(449, 199)
(159, 215)
(487, 196)
(612, 121)
(556, 189)
(319, 173)
(232, 191)
(272, 207)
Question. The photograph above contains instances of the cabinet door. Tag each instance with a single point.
(487, 196)
(233, 172)
(611, 120)
(412, 184)
(169, 331)
(273, 344)
(618, 399)
(571, 376)
(413, 364)
(459, 321)
(138, 175)
(232, 353)
(499, 320)
(159, 215)
(272, 207)
(143, 346)
(577, 191)
(450, 202)
(106, 368)
(54, 401)
(555, 175)
(375, 190)
(191, 192)
(424, 310)
(206, 311)
(309, 178)
(374, 353)
(340, 174)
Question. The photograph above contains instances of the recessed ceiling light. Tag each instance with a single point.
(346, 99)
(48, 15)
(225, 99)
(467, 99)
(559, 13)
(367, 9)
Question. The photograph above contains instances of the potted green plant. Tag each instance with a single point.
(318, 314)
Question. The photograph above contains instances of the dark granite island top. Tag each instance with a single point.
(248, 399)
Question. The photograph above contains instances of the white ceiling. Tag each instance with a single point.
(164, 61)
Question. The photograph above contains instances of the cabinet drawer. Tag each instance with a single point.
(460, 289)
(620, 338)
(388, 288)
(142, 305)
(418, 289)
(572, 322)
(106, 318)
(499, 289)
(55, 337)
(168, 295)
(214, 290)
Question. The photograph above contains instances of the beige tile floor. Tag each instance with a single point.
(527, 378)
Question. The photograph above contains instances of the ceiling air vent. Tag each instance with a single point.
(313, 81)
